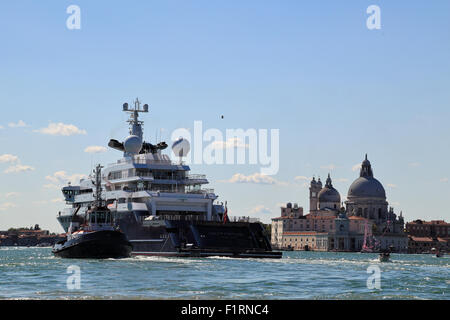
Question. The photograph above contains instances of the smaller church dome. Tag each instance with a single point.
(329, 193)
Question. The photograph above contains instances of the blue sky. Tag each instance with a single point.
(312, 69)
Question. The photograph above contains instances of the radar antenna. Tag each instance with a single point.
(136, 130)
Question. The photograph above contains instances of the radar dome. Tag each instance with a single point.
(132, 144)
(181, 147)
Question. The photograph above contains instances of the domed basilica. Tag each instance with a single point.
(366, 198)
(330, 226)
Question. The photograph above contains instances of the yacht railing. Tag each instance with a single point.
(243, 219)
(201, 191)
(196, 191)
(196, 177)
(190, 177)
(187, 217)
(144, 161)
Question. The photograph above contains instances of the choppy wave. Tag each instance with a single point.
(34, 273)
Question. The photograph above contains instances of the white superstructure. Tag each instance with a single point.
(145, 183)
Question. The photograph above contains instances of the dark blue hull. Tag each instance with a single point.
(184, 238)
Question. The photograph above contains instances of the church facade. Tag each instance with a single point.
(365, 223)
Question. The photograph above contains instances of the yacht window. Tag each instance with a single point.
(115, 175)
(101, 217)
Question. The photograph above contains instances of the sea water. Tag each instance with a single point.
(34, 273)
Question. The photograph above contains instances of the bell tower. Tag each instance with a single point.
(314, 190)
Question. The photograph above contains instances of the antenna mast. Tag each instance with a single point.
(135, 124)
(98, 185)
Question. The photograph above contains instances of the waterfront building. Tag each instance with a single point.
(345, 228)
(28, 237)
(290, 220)
(306, 240)
(433, 228)
(423, 236)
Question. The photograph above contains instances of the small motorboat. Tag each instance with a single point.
(94, 236)
(384, 257)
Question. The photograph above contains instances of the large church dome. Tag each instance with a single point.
(329, 193)
(366, 185)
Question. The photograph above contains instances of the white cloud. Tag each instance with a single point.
(1, 127)
(229, 144)
(256, 178)
(8, 158)
(62, 178)
(356, 167)
(18, 168)
(7, 205)
(391, 185)
(11, 194)
(57, 200)
(19, 124)
(61, 129)
(329, 166)
(302, 178)
(444, 180)
(95, 149)
(260, 210)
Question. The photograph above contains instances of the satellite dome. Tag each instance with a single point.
(181, 147)
(132, 144)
